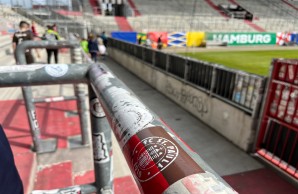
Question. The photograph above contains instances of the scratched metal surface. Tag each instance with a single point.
(44, 91)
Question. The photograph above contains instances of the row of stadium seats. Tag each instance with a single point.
(97, 23)
(181, 15)
(186, 23)
(172, 7)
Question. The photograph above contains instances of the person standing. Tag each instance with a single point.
(102, 49)
(10, 181)
(93, 47)
(140, 40)
(24, 34)
(104, 39)
(52, 35)
(159, 43)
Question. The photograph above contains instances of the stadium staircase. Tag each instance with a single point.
(271, 15)
(123, 24)
(87, 7)
(95, 6)
(292, 5)
(134, 7)
(214, 4)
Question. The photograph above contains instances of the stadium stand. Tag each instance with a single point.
(87, 7)
(292, 4)
(168, 15)
(271, 15)
(96, 23)
(9, 24)
(185, 15)
(95, 5)
(172, 7)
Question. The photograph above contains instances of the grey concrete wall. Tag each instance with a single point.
(227, 120)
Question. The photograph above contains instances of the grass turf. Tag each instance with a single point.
(257, 62)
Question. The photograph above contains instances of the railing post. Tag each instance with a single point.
(143, 54)
(102, 145)
(213, 80)
(153, 58)
(186, 70)
(80, 93)
(31, 114)
(39, 145)
(167, 63)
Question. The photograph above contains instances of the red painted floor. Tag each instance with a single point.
(86, 178)
(261, 181)
(52, 121)
(122, 185)
(53, 177)
(25, 163)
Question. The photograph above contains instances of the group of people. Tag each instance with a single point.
(95, 46)
(28, 32)
(152, 44)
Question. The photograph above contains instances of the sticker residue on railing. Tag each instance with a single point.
(20, 68)
(129, 114)
(57, 70)
(100, 152)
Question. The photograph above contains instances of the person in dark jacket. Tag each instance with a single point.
(159, 43)
(104, 39)
(52, 35)
(93, 47)
(10, 181)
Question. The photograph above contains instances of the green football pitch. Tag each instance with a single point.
(257, 62)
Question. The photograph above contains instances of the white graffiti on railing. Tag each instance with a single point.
(198, 102)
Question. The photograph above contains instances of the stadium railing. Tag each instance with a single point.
(154, 152)
(237, 88)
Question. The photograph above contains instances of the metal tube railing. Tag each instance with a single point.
(80, 93)
(159, 160)
(39, 145)
(156, 156)
(21, 48)
(102, 145)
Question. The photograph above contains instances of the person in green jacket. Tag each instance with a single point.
(84, 45)
(52, 35)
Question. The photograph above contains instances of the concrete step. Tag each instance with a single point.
(6, 51)
(5, 46)
(6, 60)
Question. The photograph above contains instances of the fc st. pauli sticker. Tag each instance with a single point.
(151, 156)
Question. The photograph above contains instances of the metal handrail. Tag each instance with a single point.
(156, 156)
(40, 145)
(160, 161)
